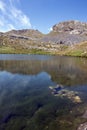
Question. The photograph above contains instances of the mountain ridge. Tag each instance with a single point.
(64, 35)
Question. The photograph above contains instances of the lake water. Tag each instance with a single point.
(27, 98)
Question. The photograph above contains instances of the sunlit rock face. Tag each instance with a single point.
(68, 32)
(71, 27)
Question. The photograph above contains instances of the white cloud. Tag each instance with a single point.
(11, 17)
(50, 29)
(2, 6)
(19, 17)
(10, 26)
(25, 20)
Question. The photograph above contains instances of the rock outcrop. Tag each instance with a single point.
(71, 27)
(68, 33)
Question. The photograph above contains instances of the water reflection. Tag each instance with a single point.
(21, 86)
(27, 103)
(64, 70)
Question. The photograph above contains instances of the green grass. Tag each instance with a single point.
(78, 50)
(10, 50)
(75, 53)
(6, 50)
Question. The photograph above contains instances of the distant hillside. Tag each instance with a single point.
(28, 34)
(25, 32)
(66, 38)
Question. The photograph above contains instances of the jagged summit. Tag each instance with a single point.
(71, 27)
(68, 32)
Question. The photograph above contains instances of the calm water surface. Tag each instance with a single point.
(27, 102)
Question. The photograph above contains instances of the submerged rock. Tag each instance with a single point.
(77, 99)
(59, 90)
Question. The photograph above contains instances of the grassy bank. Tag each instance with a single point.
(10, 50)
(78, 50)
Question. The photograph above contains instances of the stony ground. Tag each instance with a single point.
(83, 126)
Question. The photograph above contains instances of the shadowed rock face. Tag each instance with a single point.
(64, 38)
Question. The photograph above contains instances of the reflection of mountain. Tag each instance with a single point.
(64, 70)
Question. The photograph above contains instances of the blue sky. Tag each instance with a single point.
(40, 14)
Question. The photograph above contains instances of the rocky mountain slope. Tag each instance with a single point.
(62, 39)
(26, 33)
(69, 32)
(71, 27)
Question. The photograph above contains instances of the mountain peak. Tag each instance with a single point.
(71, 27)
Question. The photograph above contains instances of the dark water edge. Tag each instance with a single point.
(26, 101)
